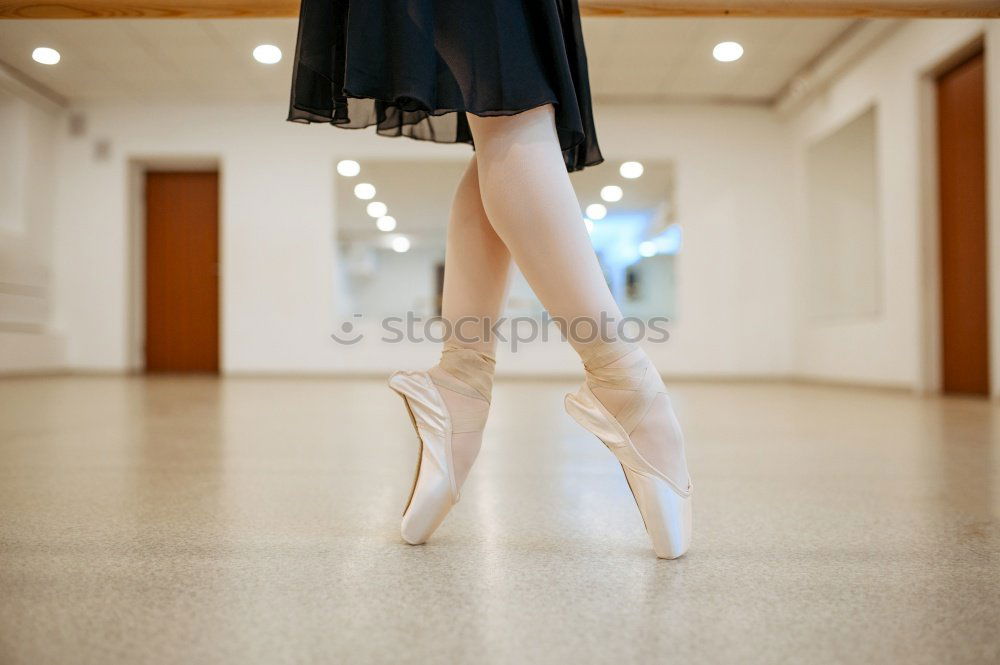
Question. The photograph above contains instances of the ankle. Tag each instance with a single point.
(467, 408)
(617, 366)
(471, 367)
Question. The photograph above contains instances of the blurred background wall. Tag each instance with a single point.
(29, 338)
(892, 346)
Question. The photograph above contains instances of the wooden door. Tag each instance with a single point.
(961, 114)
(182, 264)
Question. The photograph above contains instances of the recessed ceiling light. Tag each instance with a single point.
(45, 55)
(631, 170)
(400, 244)
(364, 191)
(386, 223)
(612, 193)
(596, 211)
(727, 52)
(348, 168)
(267, 54)
(376, 209)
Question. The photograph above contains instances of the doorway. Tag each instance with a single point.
(961, 143)
(182, 271)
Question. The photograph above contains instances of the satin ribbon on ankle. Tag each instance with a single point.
(466, 372)
(473, 368)
(601, 354)
(639, 377)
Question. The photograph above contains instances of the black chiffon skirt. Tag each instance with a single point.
(416, 67)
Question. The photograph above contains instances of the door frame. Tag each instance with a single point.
(137, 168)
(930, 379)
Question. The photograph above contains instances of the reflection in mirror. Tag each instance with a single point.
(393, 215)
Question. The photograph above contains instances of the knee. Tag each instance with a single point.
(467, 201)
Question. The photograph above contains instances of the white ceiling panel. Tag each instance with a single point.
(210, 60)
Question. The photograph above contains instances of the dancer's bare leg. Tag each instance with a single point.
(476, 275)
(477, 267)
(450, 402)
(530, 202)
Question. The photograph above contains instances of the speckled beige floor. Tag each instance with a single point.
(255, 521)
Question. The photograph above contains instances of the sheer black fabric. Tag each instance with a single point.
(416, 67)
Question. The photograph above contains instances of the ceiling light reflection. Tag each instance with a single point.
(596, 211)
(612, 193)
(631, 170)
(348, 168)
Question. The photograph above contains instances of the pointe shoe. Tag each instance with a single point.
(435, 489)
(665, 507)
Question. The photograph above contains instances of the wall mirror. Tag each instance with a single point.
(392, 218)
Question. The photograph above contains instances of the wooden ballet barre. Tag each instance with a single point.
(27, 9)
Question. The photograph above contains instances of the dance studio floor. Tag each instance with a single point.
(243, 521)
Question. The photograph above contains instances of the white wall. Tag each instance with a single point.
(845, 250)
(733, 204)
(895, 346)
(27, 341)
(278, 227)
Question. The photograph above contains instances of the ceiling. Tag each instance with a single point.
(672, 58)
(631, 59)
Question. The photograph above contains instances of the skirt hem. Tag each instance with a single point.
(303, 115)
